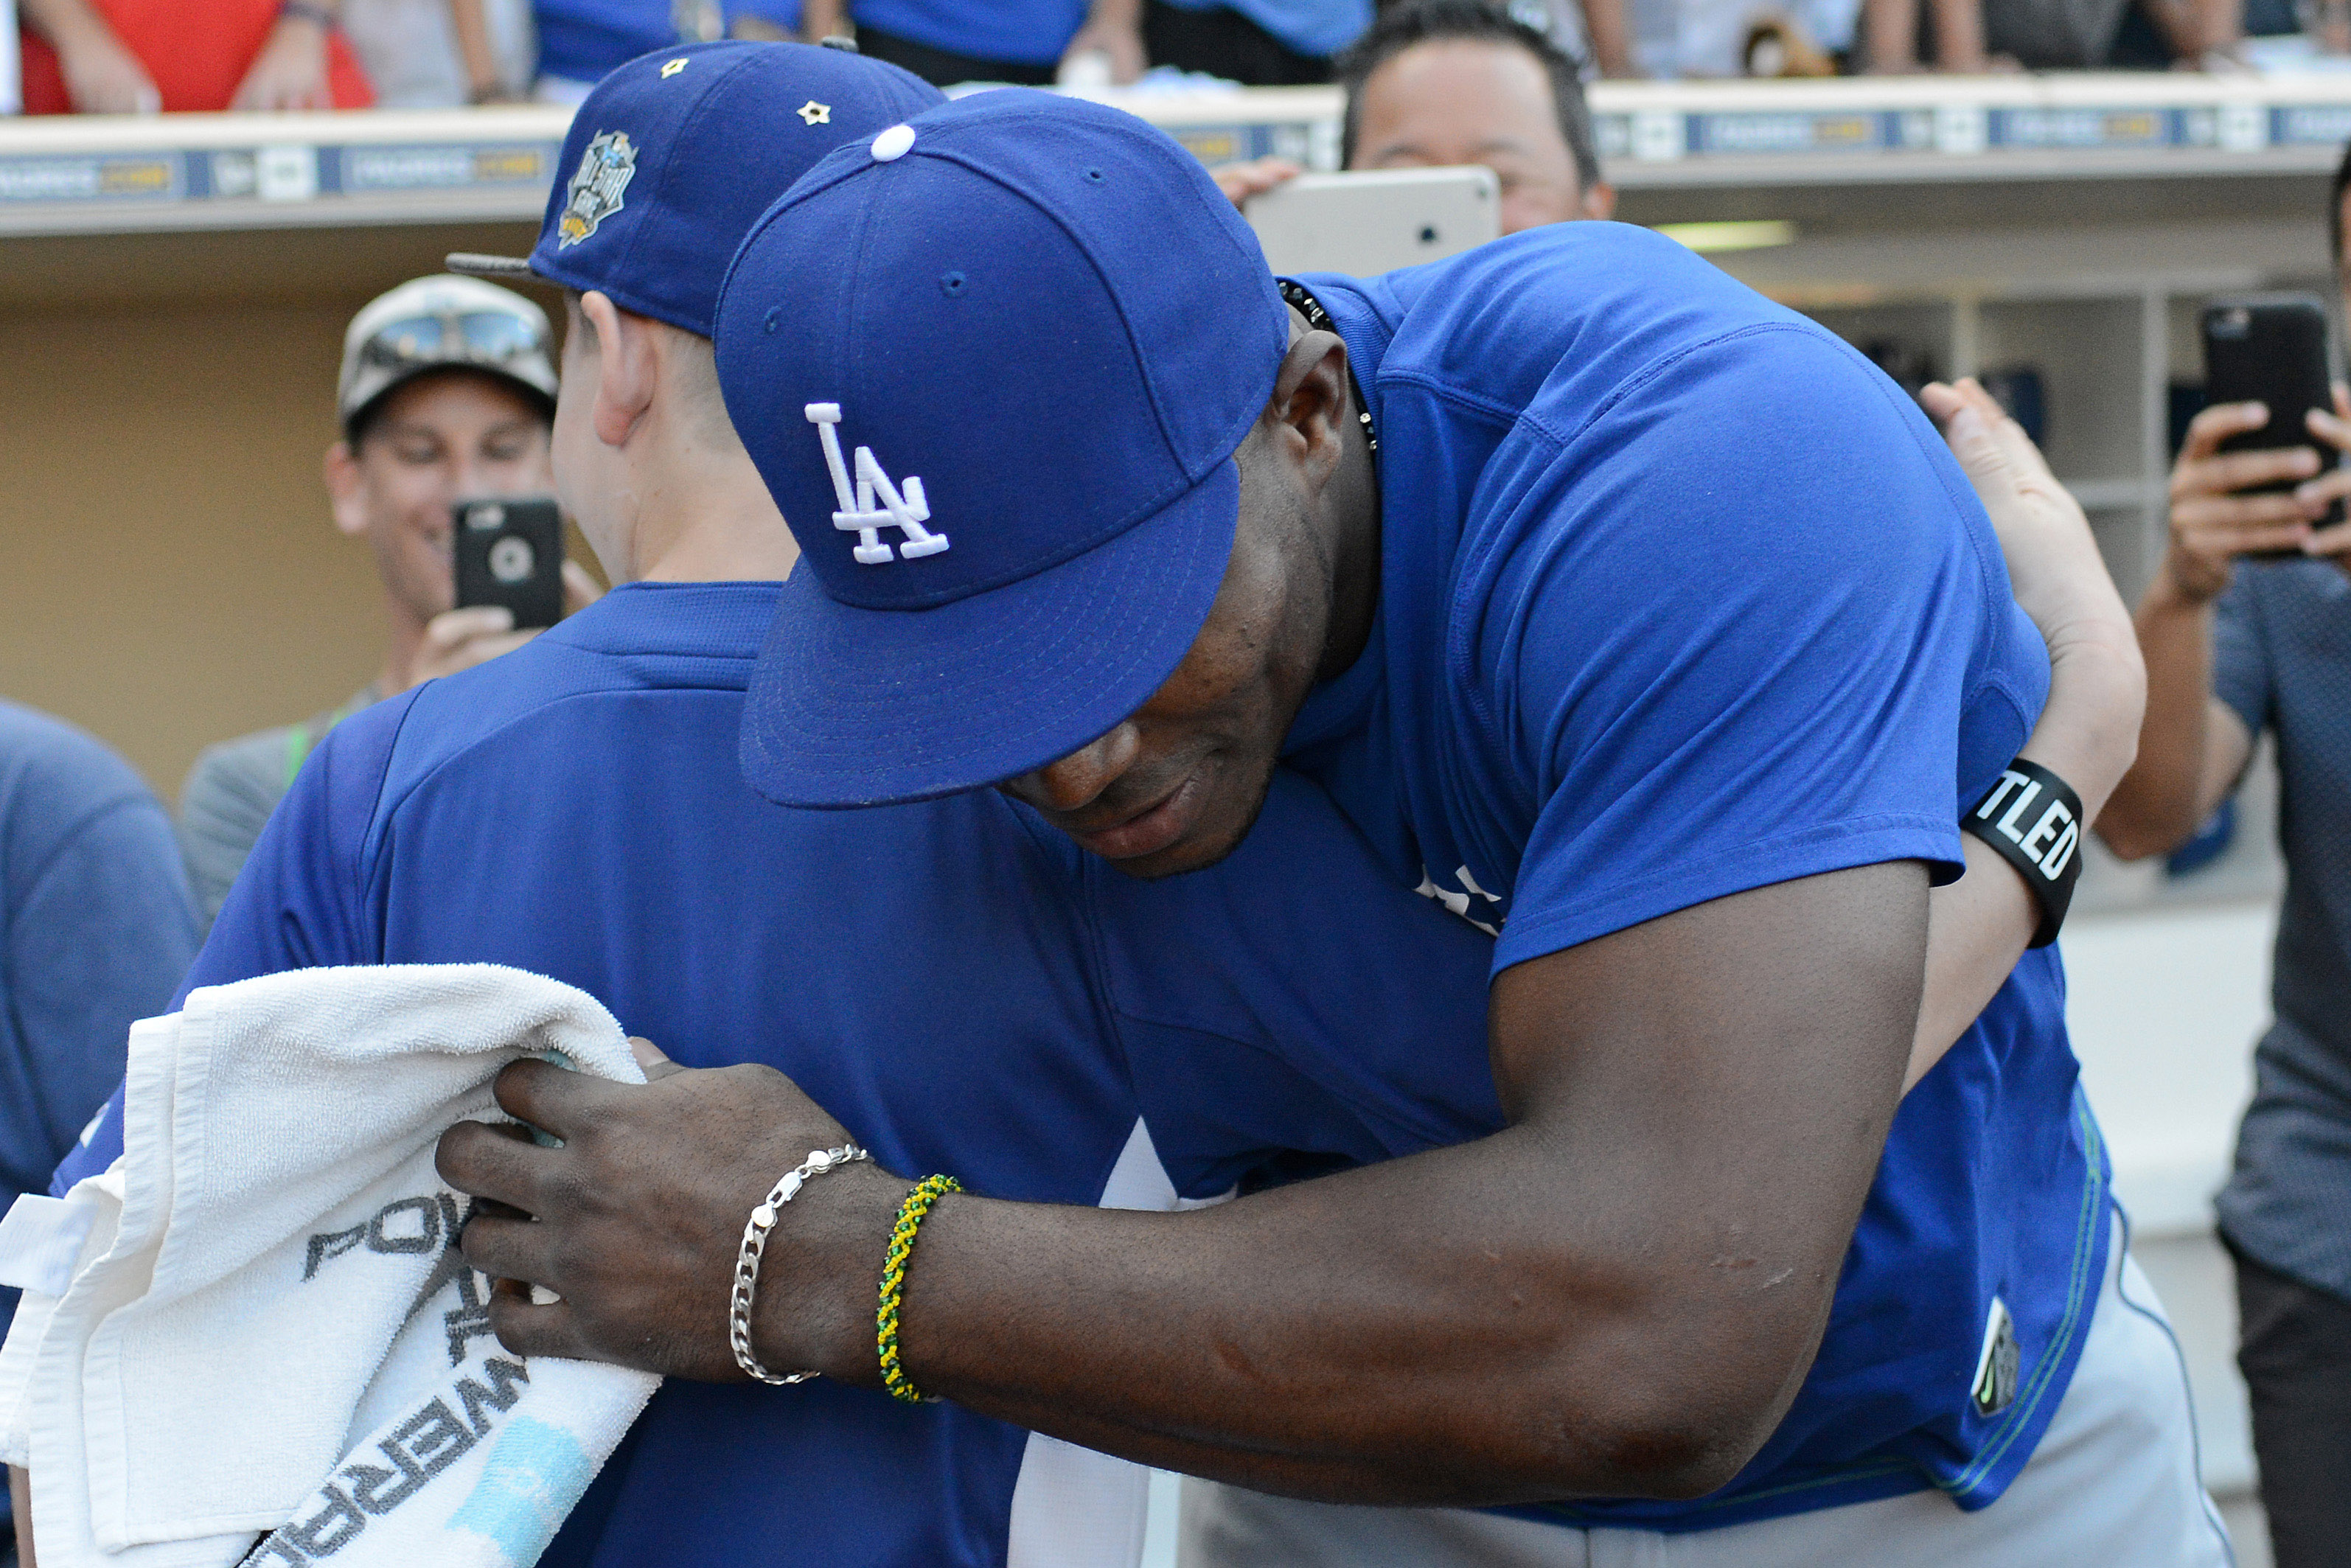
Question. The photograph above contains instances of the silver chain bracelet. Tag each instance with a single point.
(755, 1242)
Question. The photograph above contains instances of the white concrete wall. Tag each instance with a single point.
(2164, 1007)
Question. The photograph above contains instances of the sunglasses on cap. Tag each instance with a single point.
(472, 336)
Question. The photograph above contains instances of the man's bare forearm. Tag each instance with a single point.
(2160, 801)
(65, 24)
(2088, 734)
(823, 19)
(1617, 1296)
(1611, 36)
(1460, 1327)
(20, 1504)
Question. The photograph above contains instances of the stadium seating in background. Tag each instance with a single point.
(124, 57)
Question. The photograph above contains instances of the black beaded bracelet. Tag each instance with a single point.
(2034, 819)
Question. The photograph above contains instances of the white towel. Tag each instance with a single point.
(267, 1323)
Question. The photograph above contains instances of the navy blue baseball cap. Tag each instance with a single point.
(675, 153)
(993, 364)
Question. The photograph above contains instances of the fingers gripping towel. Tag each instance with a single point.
(267, 1330)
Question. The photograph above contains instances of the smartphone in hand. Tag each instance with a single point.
(2272, 348)
(510, 551)
(1374, 221)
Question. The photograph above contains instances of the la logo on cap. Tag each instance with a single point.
(906, 512)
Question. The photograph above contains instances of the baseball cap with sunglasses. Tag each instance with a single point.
(442, 324)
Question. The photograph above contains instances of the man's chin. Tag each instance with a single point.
(1215, 836)
(1194, 852)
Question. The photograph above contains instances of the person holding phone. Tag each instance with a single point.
(2236, 644)
(446, 393)
(1444, 82)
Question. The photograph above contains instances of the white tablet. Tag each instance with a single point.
(1377, 221)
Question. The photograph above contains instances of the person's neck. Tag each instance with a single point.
(403, 636)
(1352, 501)
(707, 517)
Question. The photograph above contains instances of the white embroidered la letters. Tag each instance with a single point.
(907, 512)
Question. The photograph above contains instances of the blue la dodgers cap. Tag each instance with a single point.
(674, 155)
(993, 364)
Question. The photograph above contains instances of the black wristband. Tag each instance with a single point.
(2034, 819)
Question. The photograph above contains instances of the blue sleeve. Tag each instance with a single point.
(1730, 636)
(2241, 653)
(298, 904)
(97, 938)
(784, 14)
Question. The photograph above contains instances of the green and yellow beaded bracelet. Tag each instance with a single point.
(928, 1191)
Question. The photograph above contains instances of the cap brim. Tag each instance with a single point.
(496, 268)
(850, 706)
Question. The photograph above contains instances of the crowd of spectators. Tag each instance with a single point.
(143, 56)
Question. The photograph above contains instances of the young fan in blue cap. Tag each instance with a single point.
(1638, 622)
(952, 977)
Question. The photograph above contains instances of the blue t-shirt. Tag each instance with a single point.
(582, 40)
(931, 974)
(1680, 598)
(586, 40)
(1317, 27)
(96, 927)
(784, 14)
(1017, 32)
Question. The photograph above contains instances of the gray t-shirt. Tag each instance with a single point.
(2053, 35)
(2282, 659)
(231, 791)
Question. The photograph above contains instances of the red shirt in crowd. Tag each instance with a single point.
(195, 51)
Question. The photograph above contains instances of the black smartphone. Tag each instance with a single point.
(2272, 349)
(510, 551)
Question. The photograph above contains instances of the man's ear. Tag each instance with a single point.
(343, 486)
(627, 368)
(1597, 200)
(1309, 400)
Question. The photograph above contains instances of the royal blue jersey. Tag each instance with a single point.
(931, 974)
(585, 40)
(581, 40)
(1680, 597)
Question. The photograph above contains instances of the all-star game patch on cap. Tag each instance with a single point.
(993, 364)
(674, 155)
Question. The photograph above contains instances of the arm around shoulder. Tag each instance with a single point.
(1618, 1296)
(2088, 731)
